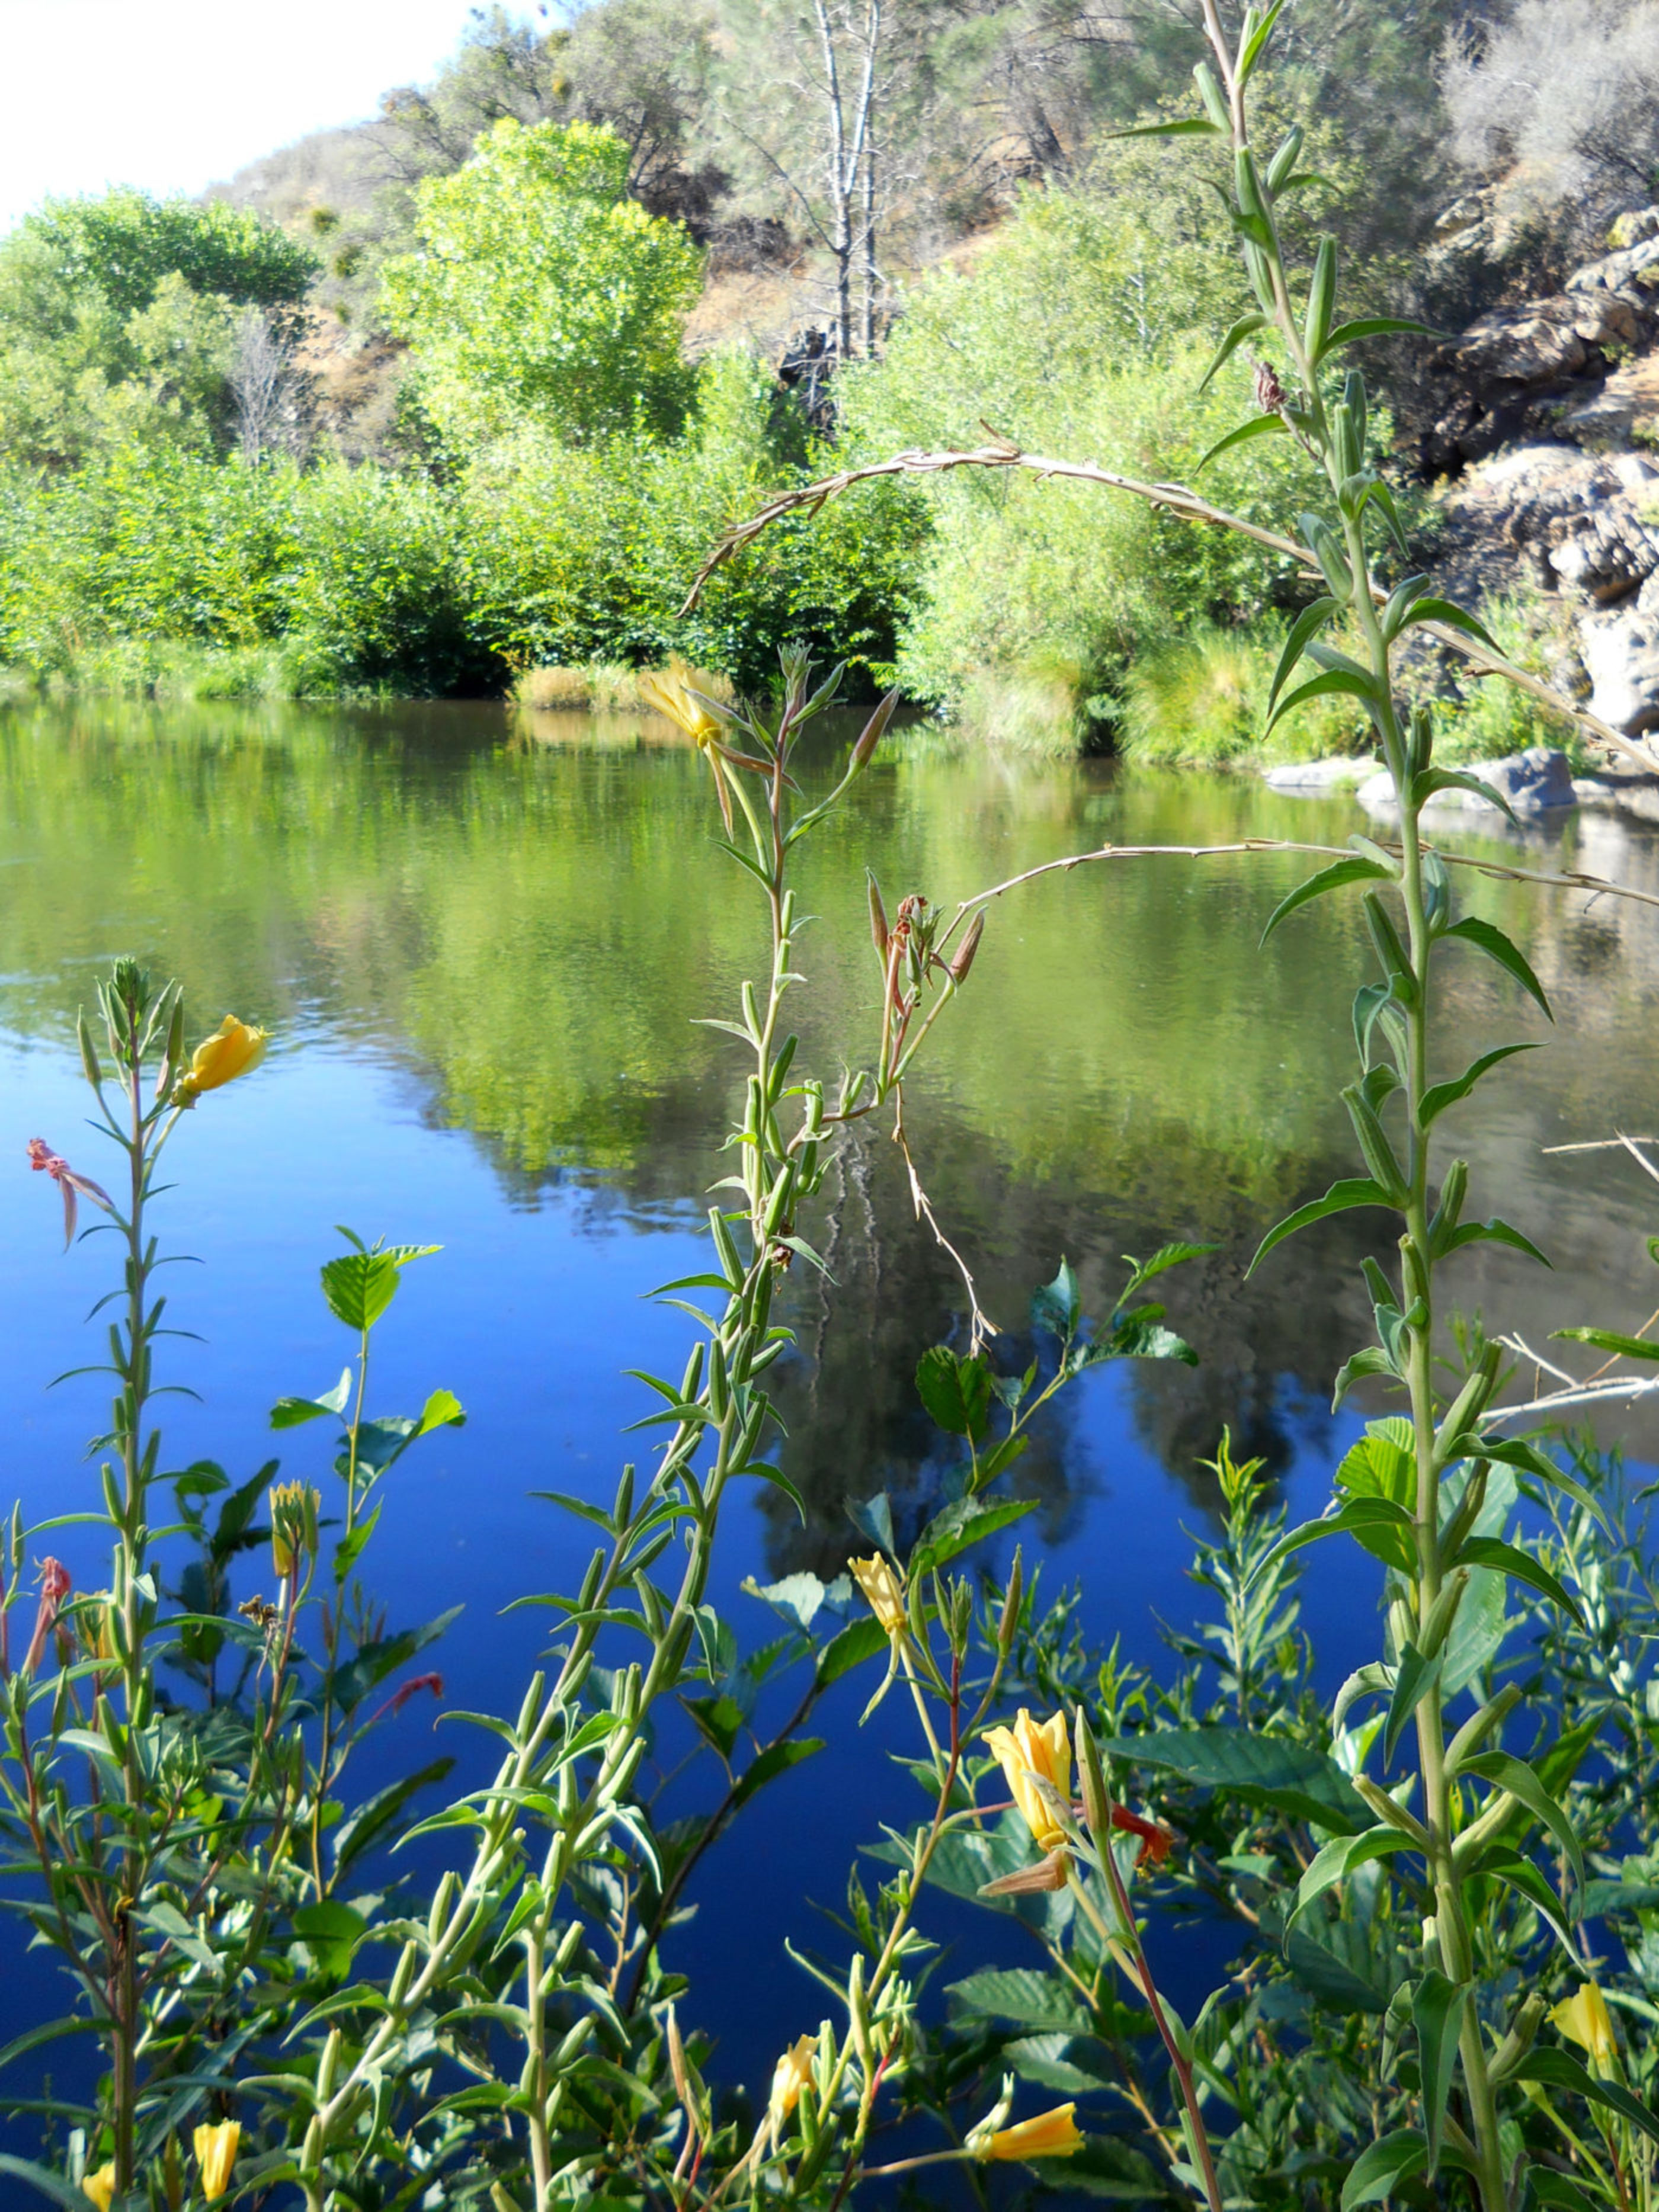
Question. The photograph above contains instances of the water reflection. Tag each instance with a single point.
(528, 918)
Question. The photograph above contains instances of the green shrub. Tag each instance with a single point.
(1203, 701)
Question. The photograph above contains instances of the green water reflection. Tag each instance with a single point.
(529, 917)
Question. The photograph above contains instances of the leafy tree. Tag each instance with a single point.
(544, 294)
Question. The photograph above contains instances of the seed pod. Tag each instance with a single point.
(1441, 1614)
(90, 1068)
(879, 933)
(963, 959)
(1248, 184)
(1009, 1623)
(874, 731)
(1353, 399)
(1322, 298)
(1096, 1797)
(1209, 91)
(1284, 160)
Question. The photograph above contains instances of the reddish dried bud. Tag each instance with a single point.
(54, 1589)
(1269, 391)
(879, 932)
(963, 959)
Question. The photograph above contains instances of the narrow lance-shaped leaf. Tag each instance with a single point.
(1245, 327)
(1356, 870)
(1437, 2015)
(1259, 426)
(1306, 626)
(1509, 957)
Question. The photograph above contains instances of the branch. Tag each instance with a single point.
(1177, 499)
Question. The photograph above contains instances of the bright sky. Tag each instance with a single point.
(174, 94)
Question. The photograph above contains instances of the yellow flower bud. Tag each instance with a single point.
(1585, 2019)
(789, 2077)
(294, 1508)
(1029, 1750)
(234, 1048)
(100, 2186)
(884, 1589)
(671, 695)
(216, 2154)
(1049, 2135)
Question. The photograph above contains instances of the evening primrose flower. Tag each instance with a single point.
(1048, 2135)
(1585, 2019)
(789, 2077)
(1027, 1752)
(672, 696)
(216, 2154)
(882, 1587)
(100, 2186)
(234, 1048)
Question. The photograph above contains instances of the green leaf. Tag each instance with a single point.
(288, 1412)
(1324, 687)
(1437, 2013)
(777, 1759)
(1609, 1340)
(1259, 426)
(47, 2183)
(442, 1410)
(1370, 327)
(1306, 626)
(1341, 1198)
(1505, 1772)
(1509, 1559)
(1372, 1360)
(966, 1522)
(1058, 1306)
(1440, 1095)
(1356, 870)
(1495, 1231)
(1558, 2070)
(798, 1597)
(1023, 1995)
(1508, 957)
(873, 1517)
(1431, 780)
(859, 1641)
(1380, 1525)
(1245, 327)
(375, 1820)
(359, 1286)
(1192, 126)
(1332, 1981)
(1380, 2168)
(1450, 615)
(1256, 45)
(1381, 1464)
(1292, 1778)
(955, 1391)
(1414, 1677)
(1165, 1257)
(329, 1930)
(1075, 2065)
(1335, 1860)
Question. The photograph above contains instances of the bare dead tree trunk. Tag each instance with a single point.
(872, 278)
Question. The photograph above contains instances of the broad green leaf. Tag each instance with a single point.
(1382, 2165)
(859, 1641)
(1075, 2065)
(1509, 1559)
(1440, 1095)
(442, 1410)
(1372, 1360)
(1058, 1306)
(1336, 1984)
(1505, 1772)
(1508, 957)
(1259, 426)
(1380, 1525)
(1335, 1860)
(777, 1759)
(955, 1391)
(1023, 1995)
(1356, 870)
(1292, 1777)
(359, 1286)
(1341, 1198)
(1437, 2015)
(968, 1521)
(288, 1412)
(1383, 1463)
(873, 1517)
(796, 1597)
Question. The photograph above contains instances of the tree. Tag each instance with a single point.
(545, 293)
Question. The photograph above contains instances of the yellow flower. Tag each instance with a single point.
(294, 1511)
(1585, 2019)
(1050, 2135)
(234, 1048)
(789, 2077)
(876, 1578)
(216, 2154)
(100, 2186)
(1026, 1750)
(671, 695)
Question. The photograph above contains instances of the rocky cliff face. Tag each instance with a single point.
(1545, 419)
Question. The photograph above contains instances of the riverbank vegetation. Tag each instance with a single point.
(422, 406)
(1433, 1892)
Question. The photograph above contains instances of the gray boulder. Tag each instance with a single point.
(1316, 779)
(1537, 783)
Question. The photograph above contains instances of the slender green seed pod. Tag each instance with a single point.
(1209, 91)
(89, 1063)
(1284, 160)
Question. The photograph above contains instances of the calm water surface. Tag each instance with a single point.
(481, 942)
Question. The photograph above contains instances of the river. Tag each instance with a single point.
(481, 941)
